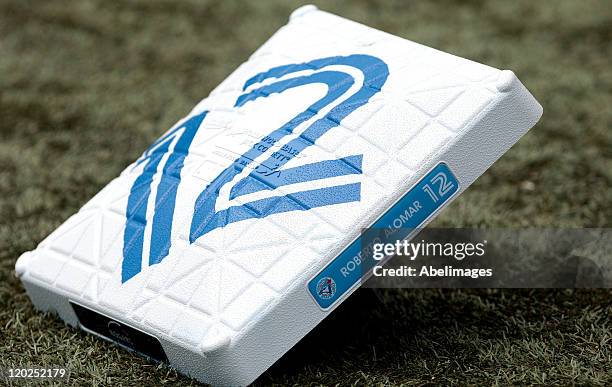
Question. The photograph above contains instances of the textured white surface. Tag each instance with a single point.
(230, 304)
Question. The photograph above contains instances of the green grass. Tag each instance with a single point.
(86, 86)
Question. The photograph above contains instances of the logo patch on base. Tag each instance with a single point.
(410, 212)
(326, 288)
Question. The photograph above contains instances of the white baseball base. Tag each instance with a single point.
(213, 250)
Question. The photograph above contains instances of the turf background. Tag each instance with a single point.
(86, 85)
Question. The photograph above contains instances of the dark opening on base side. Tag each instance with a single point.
(124, 335)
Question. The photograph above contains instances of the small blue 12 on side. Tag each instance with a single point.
(409, 213)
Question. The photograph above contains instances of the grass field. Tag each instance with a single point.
(85, 87)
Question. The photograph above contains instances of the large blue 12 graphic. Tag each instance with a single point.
(175, 145)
